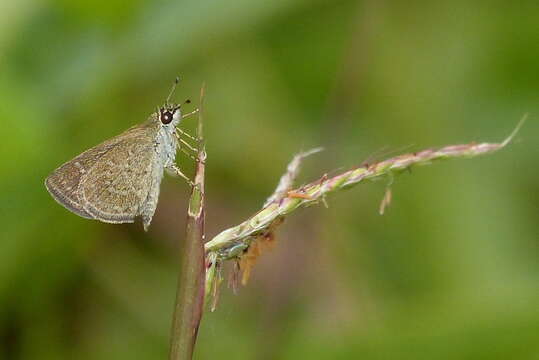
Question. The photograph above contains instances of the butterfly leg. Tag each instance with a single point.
(179, 133)
(183, 133)
(191, 156)
(191, 113)
(186, 145)
(176, 170)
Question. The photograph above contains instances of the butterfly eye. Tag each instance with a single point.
(166, 117)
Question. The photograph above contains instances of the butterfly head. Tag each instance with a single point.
(170, 114)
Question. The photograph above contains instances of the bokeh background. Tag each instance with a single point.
(450, 272)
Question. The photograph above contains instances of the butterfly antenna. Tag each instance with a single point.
(173, 89)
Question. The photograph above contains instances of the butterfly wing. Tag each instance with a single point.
(110, 181)
(115, 189)
(63, 183)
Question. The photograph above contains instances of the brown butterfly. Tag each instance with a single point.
(119, 179)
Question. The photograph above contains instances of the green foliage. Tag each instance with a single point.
(451, 270)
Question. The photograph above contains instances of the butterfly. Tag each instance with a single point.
(119, 179)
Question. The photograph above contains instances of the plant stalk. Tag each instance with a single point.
(190, 291)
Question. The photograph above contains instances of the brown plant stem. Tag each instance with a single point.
(190, 294)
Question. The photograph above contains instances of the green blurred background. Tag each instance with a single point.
(450, 272)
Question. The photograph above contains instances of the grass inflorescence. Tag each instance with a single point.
(244, 242)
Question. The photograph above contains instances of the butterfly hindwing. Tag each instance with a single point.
(64, 182)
